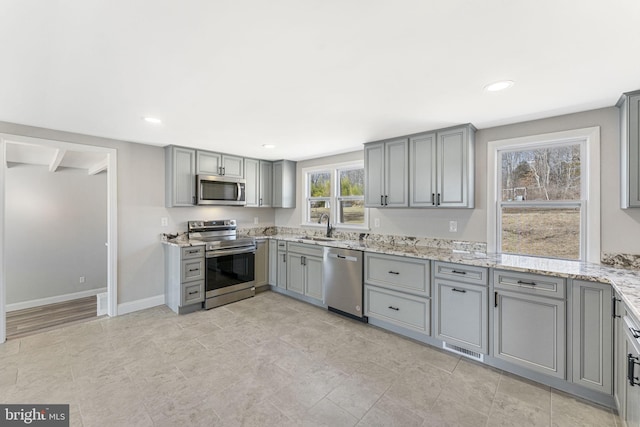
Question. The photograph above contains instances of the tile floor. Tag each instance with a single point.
(268, 361)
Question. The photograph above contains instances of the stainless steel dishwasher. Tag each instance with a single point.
(342, 279)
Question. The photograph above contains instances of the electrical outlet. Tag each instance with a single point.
(256, 220)
(82, 279)
(376, 222)
(453, 226)
(164, 221)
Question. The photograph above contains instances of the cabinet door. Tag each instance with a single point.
(461, 316)
(630, 134)
(396, 173)
(374, 175)
(273, 262)
(295, 272)
(282, 268)
(530, 331)
(313, 278)
(262, 263)
(252, 177)
(632, 395)
(232, 166)
(182, 173)
(592, 340)
(422, 171)
(266, 184)
(453, 168)
(209, 163)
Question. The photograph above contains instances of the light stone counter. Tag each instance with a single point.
(626, 282)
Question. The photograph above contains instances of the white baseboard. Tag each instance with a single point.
(53, 300)
(141, 304)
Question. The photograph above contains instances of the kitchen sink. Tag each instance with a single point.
(317, 239)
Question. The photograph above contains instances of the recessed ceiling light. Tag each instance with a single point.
(268, 146)
(497, 86)
(153, 120)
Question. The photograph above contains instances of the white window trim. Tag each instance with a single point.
(333, 198)
(591, 189)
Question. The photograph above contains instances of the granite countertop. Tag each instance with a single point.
(626, 282)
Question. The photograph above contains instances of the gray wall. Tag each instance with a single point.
(56, 229)
(140, 209)
(620, 229)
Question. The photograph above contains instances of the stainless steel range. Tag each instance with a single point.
(230, 261)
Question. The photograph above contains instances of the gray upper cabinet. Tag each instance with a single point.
(259, 178)
(629, 106)
(284, 184)
(442, 168)
(386, 166)
(180, 176)
(209, 163)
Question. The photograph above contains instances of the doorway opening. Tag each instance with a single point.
(59, 156)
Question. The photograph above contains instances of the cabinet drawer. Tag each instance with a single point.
(305, 249)
(192, 269)
(534, 284)
(193, 252)
(398, 273)
(192, 293)
(461, 273)
(400, 309)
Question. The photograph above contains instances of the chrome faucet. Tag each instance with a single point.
(329, 228)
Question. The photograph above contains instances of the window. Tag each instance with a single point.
(541, 201)
(545, 198)
(336, 190)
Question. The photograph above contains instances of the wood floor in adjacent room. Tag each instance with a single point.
(28, 321)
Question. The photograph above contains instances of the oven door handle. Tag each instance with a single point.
(224, 252)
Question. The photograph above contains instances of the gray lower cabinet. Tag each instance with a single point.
(460, 306)
(180, 176)
(629, 105)
(284, 184)
(529, 321)
(398, 308)
(619, 354)
(184, 278)
(304, 270)
(259, 183)
(592, 335)
(632, 372)
(281, 265)
(273, 262)
(397, 293)
(262, 263)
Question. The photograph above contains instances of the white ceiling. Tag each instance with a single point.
(312, 77)
(54, 157)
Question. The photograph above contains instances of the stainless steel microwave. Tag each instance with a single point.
(220, 190)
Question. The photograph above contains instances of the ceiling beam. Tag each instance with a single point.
(98, 167)
(57, 159)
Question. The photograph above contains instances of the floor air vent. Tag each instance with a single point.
(102, 304)
(463, 352)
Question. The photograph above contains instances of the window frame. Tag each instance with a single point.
(334, 199)
(589, 203)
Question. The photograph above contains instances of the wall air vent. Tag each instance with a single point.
(463, 352)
